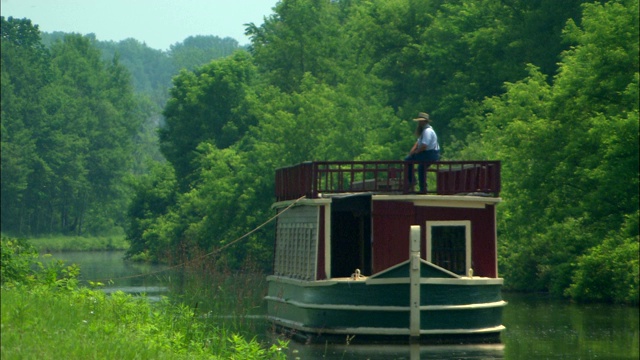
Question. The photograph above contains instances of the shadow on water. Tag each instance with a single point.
(344, 348)
(394, 352)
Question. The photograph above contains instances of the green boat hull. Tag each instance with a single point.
(380, 306)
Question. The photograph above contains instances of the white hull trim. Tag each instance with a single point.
(379, 330)
(385, 308)
(403, 280)
(438, 281)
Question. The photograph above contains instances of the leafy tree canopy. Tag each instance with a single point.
(550, 89)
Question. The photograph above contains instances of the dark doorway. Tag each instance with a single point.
(448, 248)
(351, 235)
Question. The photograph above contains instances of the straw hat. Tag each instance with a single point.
(422, 116)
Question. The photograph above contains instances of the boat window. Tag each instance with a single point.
(449, 245)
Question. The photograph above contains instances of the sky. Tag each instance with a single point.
(157, 23)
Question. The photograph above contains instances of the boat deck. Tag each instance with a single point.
(313, 179)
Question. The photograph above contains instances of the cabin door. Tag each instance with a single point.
(351, 235)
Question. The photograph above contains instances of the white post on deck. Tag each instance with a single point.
(414, 281)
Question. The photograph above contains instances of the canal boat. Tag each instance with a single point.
(360, 256)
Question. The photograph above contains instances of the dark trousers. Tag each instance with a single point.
(425, 158)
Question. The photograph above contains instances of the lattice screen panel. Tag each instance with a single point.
(296, 250)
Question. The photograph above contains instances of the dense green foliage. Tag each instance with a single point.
(68, 122)
(549, 88)
(47, 315)
(332, 81)
(151, 72)
(151, 69)
(49, 244)
(79, 117)
(17, 258)
(570, 155)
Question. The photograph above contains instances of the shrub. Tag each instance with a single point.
(18, 256)
(609, 271)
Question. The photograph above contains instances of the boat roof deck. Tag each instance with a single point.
(314, 178)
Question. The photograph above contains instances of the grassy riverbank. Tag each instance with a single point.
(46, 323)
(79, 243)
(46, 315)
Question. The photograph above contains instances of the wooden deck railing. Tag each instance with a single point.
(311, 179)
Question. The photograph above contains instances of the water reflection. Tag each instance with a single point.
(542, 327)
(109, 268)
(393, 352)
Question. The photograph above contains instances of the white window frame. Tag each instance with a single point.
(467, 233)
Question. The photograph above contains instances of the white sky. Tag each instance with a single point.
(158, 23)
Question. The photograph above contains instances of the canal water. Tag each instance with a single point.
(537, 326)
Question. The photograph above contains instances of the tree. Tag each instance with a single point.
(463, 51)
(24, 74)
(570, 154)
(206, 105)
(93, 126)
(302, 37)
(68, 124)
(151, 70)
(153, 195)
(196, 51)
(556, 102)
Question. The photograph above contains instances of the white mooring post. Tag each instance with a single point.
(414, 281)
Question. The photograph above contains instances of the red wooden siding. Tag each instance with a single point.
(392, 221)
(483, 244)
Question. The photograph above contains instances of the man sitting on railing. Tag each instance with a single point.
(426, 150)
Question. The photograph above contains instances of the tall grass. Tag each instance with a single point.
(38, 323)
(233, 299)
(79, 243)
(45, 315)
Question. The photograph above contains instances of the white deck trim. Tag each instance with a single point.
(463, 201)
(349, 307)
(463, 281)
(288, 280)
(380, 331)
(407, 262)
(316, 202)
(466, 201)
